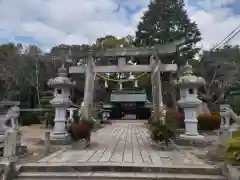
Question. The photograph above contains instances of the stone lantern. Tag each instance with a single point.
(188, 84)
(62, 100)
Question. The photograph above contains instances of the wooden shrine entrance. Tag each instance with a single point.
(155, 67)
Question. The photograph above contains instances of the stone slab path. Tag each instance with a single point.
(123, 143)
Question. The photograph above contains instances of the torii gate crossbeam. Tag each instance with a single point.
(156, 67)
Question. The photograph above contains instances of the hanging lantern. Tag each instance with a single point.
(105, 84)
(135, 83)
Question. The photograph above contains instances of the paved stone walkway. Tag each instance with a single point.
(121, 143)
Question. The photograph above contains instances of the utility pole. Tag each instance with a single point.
(37, 81)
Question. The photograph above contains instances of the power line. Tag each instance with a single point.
(232, 37)
(226, 38)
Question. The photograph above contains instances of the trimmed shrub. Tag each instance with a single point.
(89, 122)
(232, 149)
(205, 121)
(161, 132)
(209, 122)
(79, 131)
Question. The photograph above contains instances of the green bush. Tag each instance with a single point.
(79, 131)
(209, 122)
(170, 119)
(235, 104)
(232, 149)
(29, 118)
(161, 132)
(89, 122)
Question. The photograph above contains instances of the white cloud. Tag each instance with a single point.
(53, 22)
(215, 21)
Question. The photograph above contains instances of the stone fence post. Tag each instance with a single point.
(47, 143)
(10, 144)
(9, 155)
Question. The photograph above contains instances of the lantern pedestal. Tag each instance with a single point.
(190, 104)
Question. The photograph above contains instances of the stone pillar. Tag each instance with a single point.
(6, 111)
(10, 144)
(92, 88)
(159, 85)
(157, 97)
(47, 143)
(157, 89)
(154, 88)
(153, 93)
(13, 115)
(88, 90)
(173, 92)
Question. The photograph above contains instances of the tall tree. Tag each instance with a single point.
(166, 21)
(114, 42)
(220, 69)
(17, 73)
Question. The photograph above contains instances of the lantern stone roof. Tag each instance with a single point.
(61, 79)
(188, 78)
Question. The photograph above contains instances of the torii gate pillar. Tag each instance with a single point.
(156, 88)
(88, 89)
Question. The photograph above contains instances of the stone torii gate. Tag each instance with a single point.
(155, 66)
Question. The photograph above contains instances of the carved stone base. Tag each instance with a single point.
(188, 140)
(190, 137)
(56, 136)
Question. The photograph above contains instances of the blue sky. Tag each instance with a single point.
(51, 22)
(235, 7)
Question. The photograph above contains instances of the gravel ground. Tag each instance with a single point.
(30, 136)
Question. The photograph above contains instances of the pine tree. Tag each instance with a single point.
(166, 21)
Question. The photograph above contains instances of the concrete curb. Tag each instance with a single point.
(231, 172)
(100, 167)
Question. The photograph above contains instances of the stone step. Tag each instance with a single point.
(197, 143)
(113, 175)
(124, 167)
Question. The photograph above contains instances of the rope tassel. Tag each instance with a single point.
(121, 80)
(136, 83)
